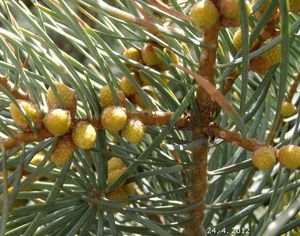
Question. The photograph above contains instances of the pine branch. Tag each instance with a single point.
(232, 137)
(159, 172)
(269, 31)
(199, 154)
(150, 119)
(162, 6)
(293, 87)
(128, 17)
(229, 81)
(160, 118)
(16, 92)
(23, 138)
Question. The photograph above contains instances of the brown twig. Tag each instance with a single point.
(150, 119)
(129, 17)
(27, 137)
(148, 17)
(160, 118)
(267, 32)
(17, 93)
(162, 6)
(234, 138)
(293, 88)
(229, 81)
(25, 64)
(199, 154)
(259, 64)
(149, 26)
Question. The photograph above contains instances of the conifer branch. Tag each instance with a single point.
(16, 92)
(150, 119)
(128, 17)
(23, 138)
(229, 81)
(162, 6)
(232, 137)
(293, 87)
(206, 107)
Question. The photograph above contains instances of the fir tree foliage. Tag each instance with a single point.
(183, 101)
